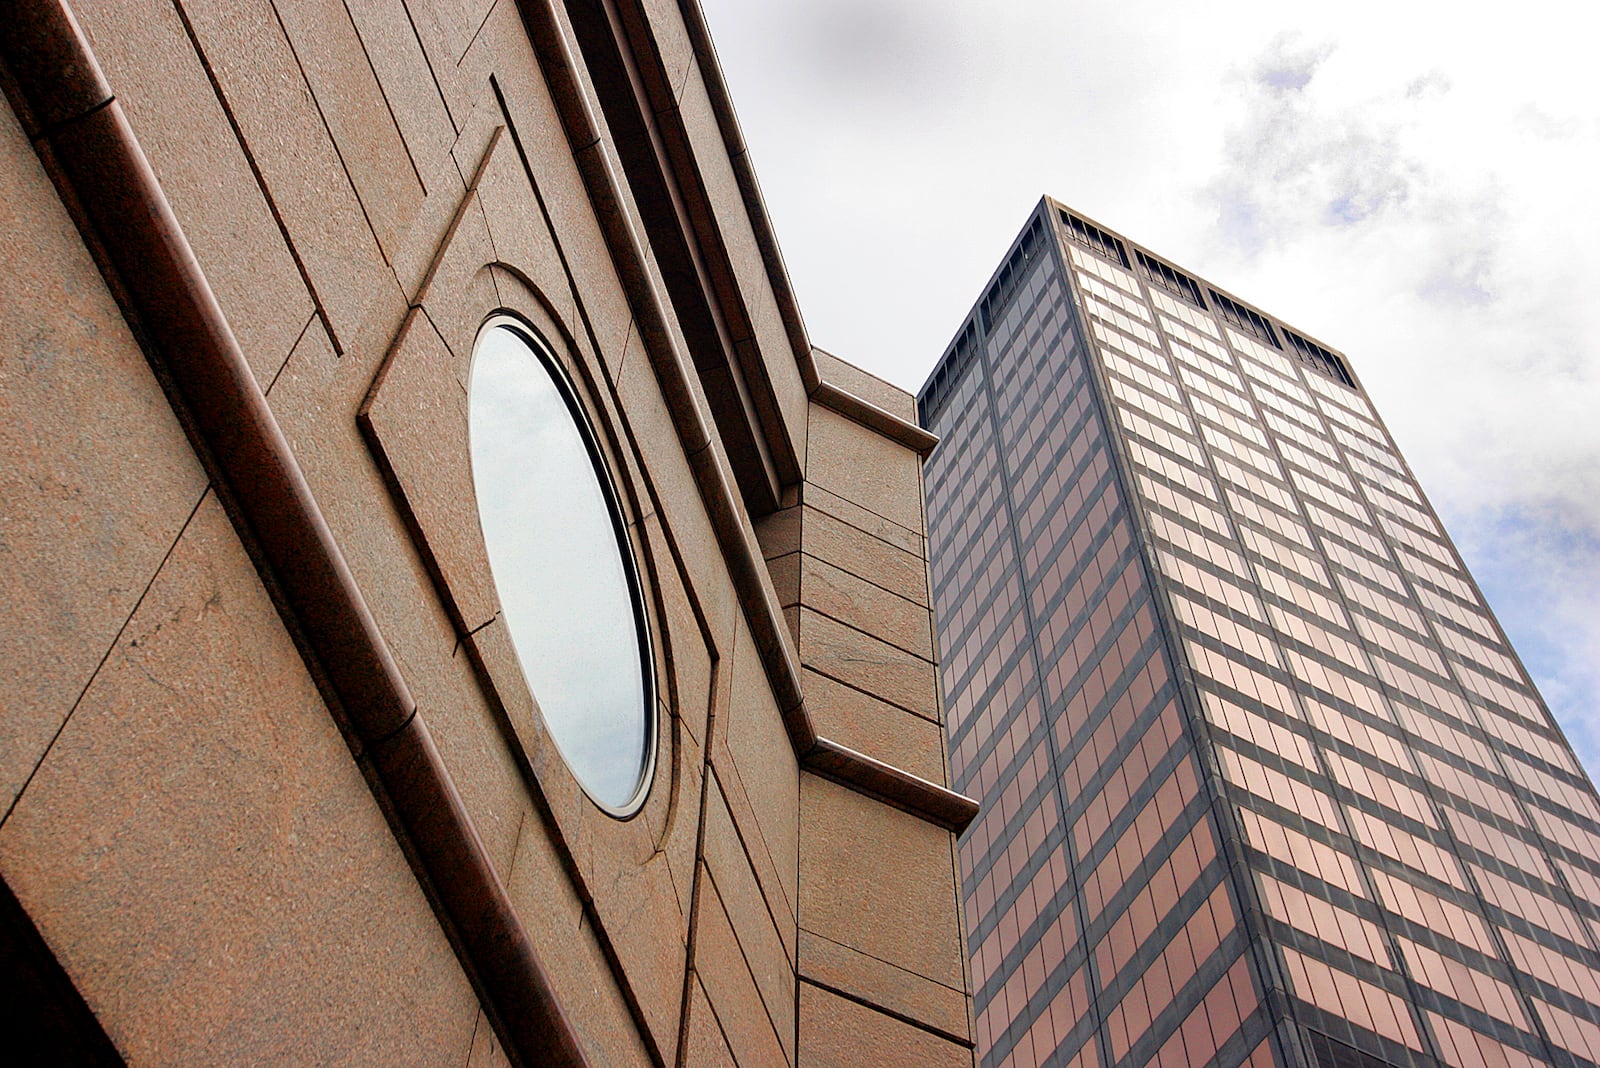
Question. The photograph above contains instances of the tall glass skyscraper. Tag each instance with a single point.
(1263, 782)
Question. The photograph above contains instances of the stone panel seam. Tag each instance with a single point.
(111, 647)
(868, 693)
(872, 956)
(823, 508)
(260, 179)
(910, 1021)
(322, 117)
(292, 350)
(743, 954)
(433, 75)
(814, 610)
(837, 566)
(695, 892)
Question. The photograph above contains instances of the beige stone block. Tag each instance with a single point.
(879, 881)
(153, 69)
(334, 61)
(786, 572)
(522, 243)
(909, 539)
(882, 731)
(705, 1045)
(869, 665)
(720, 966)
(676, 494)
(417, 421)
(206, 860)
(408, 85)
(869, 387)
(865, 468)
(260, 76)
(530, 110)
(637, 907)
(857, 603)
(756, 764)
(838, 1033)
(905, 994)
(96, 475)
(441, 28)
(456, 21)
(867, 556)
(563, 935)
(780, 903)
(779, 532)
(474, 748)
(768, 939)
(687, 648)
(791, 619)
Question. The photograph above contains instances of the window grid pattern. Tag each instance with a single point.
(1100, 922)
(1307, 679)
(1423, 848)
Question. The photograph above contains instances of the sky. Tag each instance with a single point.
(1412, 190)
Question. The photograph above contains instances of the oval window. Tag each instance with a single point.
(561, 563)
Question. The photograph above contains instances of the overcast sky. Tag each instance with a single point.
(1410, 186)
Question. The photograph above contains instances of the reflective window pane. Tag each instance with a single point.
(561, 565)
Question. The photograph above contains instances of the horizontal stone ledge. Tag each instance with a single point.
(889, 784)
(874, 418)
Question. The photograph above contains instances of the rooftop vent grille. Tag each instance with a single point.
(1318, 358)
(951, 368)
(1094, 238)
(1250, 322)
(1011, 274)
(1173, 281)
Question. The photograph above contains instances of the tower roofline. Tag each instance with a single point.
(1291, 340)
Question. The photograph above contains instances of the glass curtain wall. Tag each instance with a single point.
(1262, 780)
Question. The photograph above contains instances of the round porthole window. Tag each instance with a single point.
(561, 563)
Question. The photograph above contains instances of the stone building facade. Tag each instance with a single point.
(277, 779)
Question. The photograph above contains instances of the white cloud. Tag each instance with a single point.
(1414, 191)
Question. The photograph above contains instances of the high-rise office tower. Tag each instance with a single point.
(1263, 781)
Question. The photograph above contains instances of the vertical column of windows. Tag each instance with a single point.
(1306, 620)
(1156, 887)
(1543, 889)
(1442, 699)
(1389, 817)
(1032, 989)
